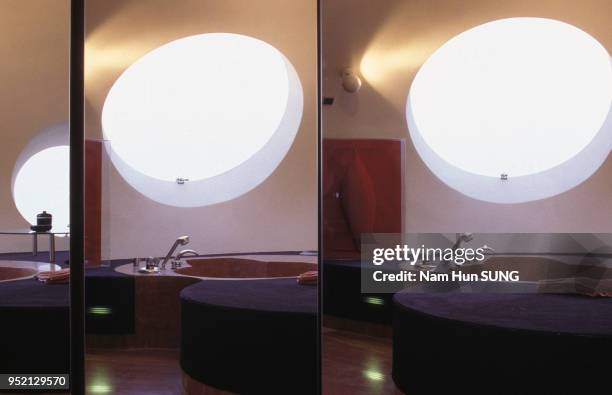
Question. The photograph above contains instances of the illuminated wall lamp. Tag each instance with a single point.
(350, 81)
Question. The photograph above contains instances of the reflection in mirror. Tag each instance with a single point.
(34, 190)
(201, 125)
(471, 118)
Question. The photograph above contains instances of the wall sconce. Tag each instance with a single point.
(350, 81)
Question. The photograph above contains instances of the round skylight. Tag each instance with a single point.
(218, 110)
(41, 178)
(514, 110)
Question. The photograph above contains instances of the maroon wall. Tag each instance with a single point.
(362, 192)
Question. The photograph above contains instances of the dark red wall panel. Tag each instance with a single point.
(362, 192)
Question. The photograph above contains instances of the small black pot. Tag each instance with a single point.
(43, 222)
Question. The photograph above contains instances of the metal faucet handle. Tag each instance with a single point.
(176, 263)
(149, 263)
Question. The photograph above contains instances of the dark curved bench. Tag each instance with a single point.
(35, 329)
(501, 343)
(341, 284)
(35, 319)
(250, 336)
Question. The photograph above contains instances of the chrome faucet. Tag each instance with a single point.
(176, 262)
(185, 253)
(181, 241)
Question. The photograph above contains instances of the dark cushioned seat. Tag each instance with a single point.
(35, 328)
(501, 343)
(343, 296)
(35, 322)
(251, 336)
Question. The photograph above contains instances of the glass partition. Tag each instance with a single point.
(34, 195)
(466, 198)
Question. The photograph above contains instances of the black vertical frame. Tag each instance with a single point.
(77, 195)
(320, 196)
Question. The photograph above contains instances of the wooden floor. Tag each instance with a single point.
(133, 372)
(353, 364)
(356, 364)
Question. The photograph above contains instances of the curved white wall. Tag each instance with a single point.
(387, 46)
(280, 213)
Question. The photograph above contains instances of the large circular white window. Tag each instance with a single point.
(202, 119)
(513, 110)
(41, 177)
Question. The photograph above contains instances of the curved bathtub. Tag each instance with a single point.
(544, 267)
(545, 273)
(22, 270)
(243, 268)
(156, 295)
(509, 273)
(235, 267)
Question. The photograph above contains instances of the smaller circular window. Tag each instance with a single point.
(202, 119)
(513, 110)
(41, 177)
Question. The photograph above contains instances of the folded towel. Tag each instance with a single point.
(54, 276)
(308, 278)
